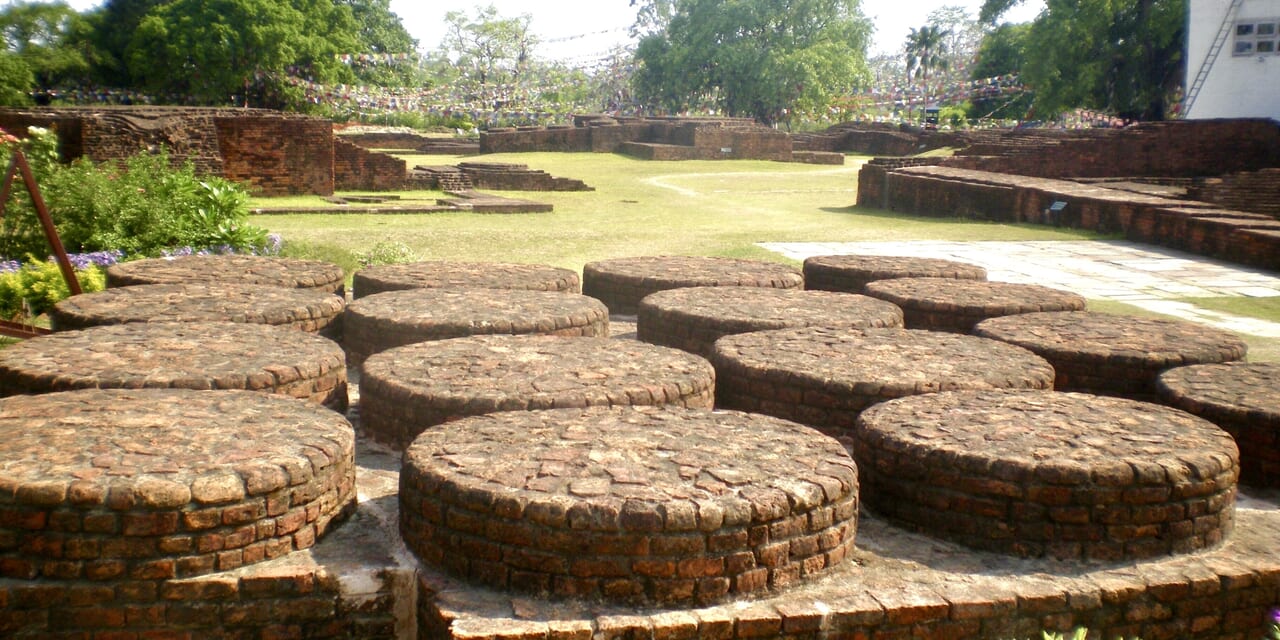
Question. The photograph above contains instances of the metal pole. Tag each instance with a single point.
(50, 232)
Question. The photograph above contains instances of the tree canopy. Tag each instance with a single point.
(44, 37)
(1123, 57)
(760, 58)
(206, 51)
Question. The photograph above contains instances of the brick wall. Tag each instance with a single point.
(357, 168)
(703, 139)
(277, 154)
(274, 153)
(1252, 191)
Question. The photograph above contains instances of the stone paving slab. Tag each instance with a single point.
(1142, 275)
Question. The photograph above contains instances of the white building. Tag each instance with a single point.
(1233, 59)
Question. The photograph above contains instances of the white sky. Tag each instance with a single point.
(578, 26)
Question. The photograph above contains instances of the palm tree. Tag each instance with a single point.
(926, 51)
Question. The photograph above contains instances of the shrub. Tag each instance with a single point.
(386, 252)
(141, 207)
(36, 286)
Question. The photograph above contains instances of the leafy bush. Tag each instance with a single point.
(36, 286)
(141, 207)
(386, 252)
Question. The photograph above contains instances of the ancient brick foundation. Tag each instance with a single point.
(357, 168)
(650, 139)
(274, 153)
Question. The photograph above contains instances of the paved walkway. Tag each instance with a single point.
(1142, 275)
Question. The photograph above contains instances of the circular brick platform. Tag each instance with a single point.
(851, 274)
(307, 310)
(825, 377)
(941, 304)
(1071, 476)
(152, 484)
(290, 273)
(1243, 399)
(206, 355)
(463, 275)
(655, 505)
(623, 282)
(693, 318)
(397, 318)
(406, 390)
(1110, 354)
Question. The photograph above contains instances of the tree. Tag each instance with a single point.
(381, 33)
(45, 37)
(758, 58)
(1123, 57)
(1003, 52)
(489, 49)
(1119, 56)
(926, 51)
(217, 51)
(16, 81)
(113, 27)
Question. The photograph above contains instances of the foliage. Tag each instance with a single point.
(35, 287)
(1003, 52)
(754, 57)
(386, 252)
(141, 208)
(380, 31)
(926, 49)
(45, 35)
(209, 51)
(488, 49)
(1118, 56)
(16, 80)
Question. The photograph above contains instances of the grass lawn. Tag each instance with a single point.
(717, 208)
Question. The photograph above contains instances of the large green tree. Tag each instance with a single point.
(1119, 56)
(382, 33)
(216, 51)
(926, 49)
(47, 37)
(113, 27)
(488, 48)
(760, 58)
(1003, 53)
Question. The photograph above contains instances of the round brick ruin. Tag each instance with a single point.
(622, 283)
(303, 309)
(409, 389)
(463, 275)
(939, 304)
(126, 485)
(1063, 475)
(396, 318)
(693, 318)
(1111, 354)
(654, 505)
(851, 274)
(1243, 399)
(825, 377)
(201, 356)
(290, 273)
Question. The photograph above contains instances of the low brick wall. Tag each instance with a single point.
(1252, 191)
(357, 168)
(651, 139)
(274, 153)
(944, 191)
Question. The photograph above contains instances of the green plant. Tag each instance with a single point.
(38, 285)
(386, 252)
(142, 206)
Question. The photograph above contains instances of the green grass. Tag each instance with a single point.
(1261, 308)
(719, 208)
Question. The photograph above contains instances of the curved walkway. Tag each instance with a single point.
(1145, 276)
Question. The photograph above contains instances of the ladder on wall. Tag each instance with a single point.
(1224, 32)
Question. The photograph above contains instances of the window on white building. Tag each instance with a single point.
(1257, 37)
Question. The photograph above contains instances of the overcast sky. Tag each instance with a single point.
(584, 31)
